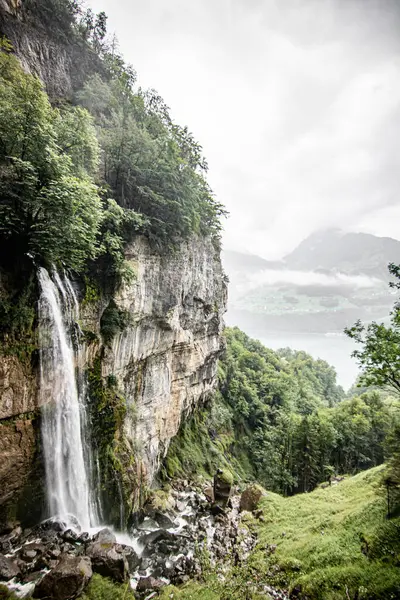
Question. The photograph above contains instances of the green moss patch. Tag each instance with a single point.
(205, 443)
(101, 588)
(117, 461)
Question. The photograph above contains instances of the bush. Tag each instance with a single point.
(113, 321)
(101, 588)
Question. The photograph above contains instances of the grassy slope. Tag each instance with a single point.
(331, 544)
(336, 542)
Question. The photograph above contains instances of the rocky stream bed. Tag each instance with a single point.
(56, 559)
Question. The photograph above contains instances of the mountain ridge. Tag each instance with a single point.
(347, 247)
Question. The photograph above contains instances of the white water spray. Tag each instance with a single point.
(65, 433)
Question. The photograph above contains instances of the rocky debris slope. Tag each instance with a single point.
(164, 546)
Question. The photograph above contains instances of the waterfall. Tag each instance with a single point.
(65, 430)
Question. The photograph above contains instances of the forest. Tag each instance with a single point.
(283, 420)
(280, 417)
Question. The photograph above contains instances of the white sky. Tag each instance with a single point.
(296, 104)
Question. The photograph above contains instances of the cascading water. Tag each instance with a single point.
(65, 432)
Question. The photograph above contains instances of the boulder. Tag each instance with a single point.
(209, 493)
(54, 552)
(70, 535)
(51, 525)
(132, 558)
(148, 524)
(29, 554)
(223, 482)
(163, 520)
(180, 506)
(67, 580)
(7, 540)
(155, 536)
(106, 561)
(250, 498)
(8, 568)
(149, 583)
(105, 536)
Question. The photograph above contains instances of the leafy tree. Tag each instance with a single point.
(379, 359)
(151, 165)
(117, 228)
(379, 356)
(50, 210)
(59, 16)
(76, 137)
(379, 353)
(100, 29)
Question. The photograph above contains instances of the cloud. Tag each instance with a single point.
(295, 102)
(310, 278)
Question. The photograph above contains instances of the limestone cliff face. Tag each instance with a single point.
(18, 388)
(164, 363)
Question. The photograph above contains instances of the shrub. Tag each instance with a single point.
(101, 588)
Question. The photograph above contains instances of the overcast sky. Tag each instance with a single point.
(296, 104)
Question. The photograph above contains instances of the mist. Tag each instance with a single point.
(308, 278)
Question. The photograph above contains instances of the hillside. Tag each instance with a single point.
(345, 547)
(280, 419)
(332, 544)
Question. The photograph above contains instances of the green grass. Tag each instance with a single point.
(6, 594)
(101, 588)
(333, 543)
(238, 584)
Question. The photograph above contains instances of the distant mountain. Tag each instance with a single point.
(238, 261)
(306, 291)
(350, 253)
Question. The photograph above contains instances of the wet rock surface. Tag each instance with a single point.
(108, 560)
(222, 489)
(8, 568)
(162, 547)
(66, 580)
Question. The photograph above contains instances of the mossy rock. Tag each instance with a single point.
(161, 500)
(251, 497)
(225, 476)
